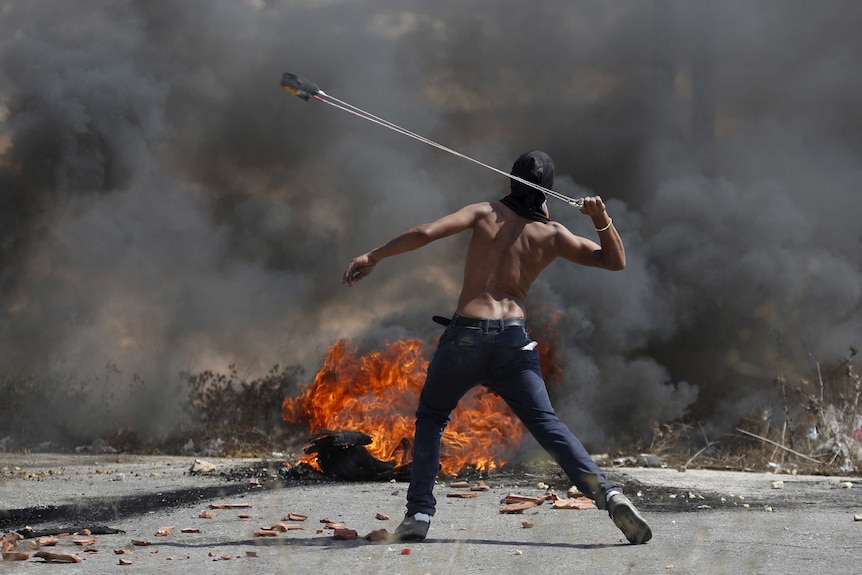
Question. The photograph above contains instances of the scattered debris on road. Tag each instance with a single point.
(201, 466)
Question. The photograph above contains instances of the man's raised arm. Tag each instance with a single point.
(610, 255)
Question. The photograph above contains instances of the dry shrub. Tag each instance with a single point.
(811, 426)
(833, 404)
(815, 426)
(246, 414)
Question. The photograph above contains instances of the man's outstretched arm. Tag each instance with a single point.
(413, 239)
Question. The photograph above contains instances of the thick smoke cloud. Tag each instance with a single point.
(165, 207)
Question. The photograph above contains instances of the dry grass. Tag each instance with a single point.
(814, 426)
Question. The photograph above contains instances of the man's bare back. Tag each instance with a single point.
(507, 253)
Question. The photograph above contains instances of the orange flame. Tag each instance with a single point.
(377, 393)
(552, 372)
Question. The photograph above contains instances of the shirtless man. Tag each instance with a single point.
(487, 343)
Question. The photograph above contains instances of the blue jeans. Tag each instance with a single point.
(503, 361)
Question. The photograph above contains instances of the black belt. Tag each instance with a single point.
(499, 324)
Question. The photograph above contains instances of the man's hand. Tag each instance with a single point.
(357, 269)
(595, 208)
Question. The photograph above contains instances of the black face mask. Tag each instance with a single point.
(538, 168)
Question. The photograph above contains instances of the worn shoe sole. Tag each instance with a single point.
(630, 522)
(412, 530)
(410, 536)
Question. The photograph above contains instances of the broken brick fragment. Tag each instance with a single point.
(382, 517)
(459, 484)
(519, 507)
(7, 542)
(462, 494)
(229, 505)
(345, 534)
(517, 498)
(295, 517)
(164, 531)
(574, 503)
(481, 486)
(334, 525)
(266, 533)
(283, 527)
(58, 557)
(378, 535)
(84, 541)
(15, 555)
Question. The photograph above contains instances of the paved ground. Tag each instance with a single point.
(704, 522)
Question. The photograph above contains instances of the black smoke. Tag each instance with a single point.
(164, 207)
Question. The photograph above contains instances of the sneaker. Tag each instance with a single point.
(412, 529)
(627, 518)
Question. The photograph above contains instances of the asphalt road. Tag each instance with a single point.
(704, 522)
